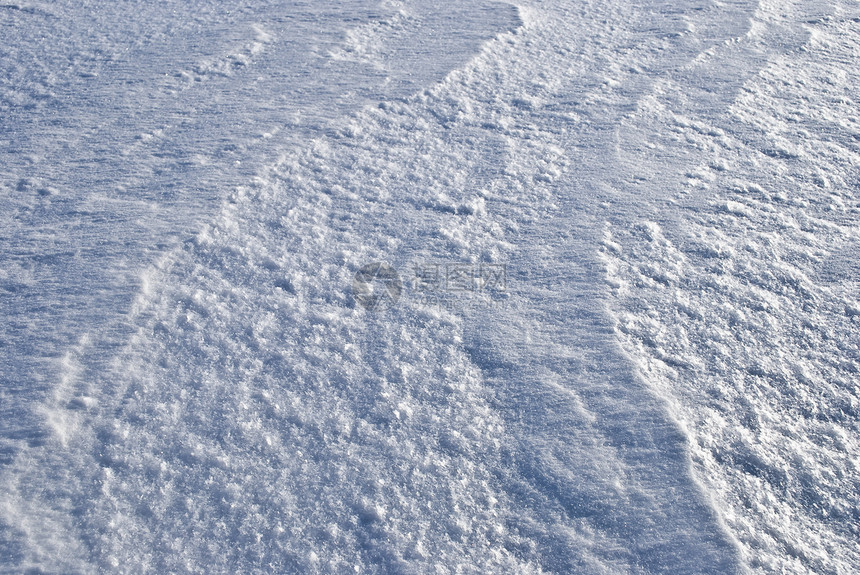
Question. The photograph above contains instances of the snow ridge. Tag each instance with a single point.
(254, 417)
(736, 300)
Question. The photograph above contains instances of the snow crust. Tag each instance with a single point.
(665, 382)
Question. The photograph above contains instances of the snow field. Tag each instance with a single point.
(740, 305)
(666, 386)
(258, 406)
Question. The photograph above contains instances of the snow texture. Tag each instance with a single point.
(624, 339)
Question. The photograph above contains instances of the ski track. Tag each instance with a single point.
(666, 387)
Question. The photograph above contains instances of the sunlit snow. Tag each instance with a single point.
(453, 287)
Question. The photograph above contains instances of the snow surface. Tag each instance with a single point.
(667, 383)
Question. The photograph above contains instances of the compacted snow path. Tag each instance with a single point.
(575, 375)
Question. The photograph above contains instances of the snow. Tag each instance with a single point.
(625, 340)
